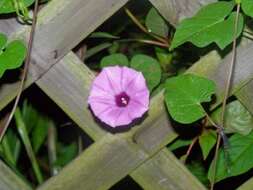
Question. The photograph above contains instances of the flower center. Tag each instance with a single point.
(122, 99)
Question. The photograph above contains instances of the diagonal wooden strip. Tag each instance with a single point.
(174, 10)
(62, 24)
(98, 166)
(164, 171)
(247, 185)
(245, 96)
(9, 180)
(67, 83)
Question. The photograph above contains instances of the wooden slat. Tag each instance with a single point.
(9, 180)
(62, 24)
(248, 185)
(245, 96)
(175, 10)
(164, 172)
(67, 84)
(99, 167)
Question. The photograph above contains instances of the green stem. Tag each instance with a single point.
(27, 143)
(152, 42)
(227, 90)
(144, 29)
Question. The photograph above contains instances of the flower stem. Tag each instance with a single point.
(143, 28)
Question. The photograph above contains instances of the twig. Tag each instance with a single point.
(190, 148)
(144, 29)
(152, 42)
(26, 66)
(227, 89)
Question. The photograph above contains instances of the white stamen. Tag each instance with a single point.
(124, 101)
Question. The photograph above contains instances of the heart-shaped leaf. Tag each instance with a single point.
(240, 158)
(7, 6)
(12, 55)
(237, 118)
(156, 24)
(206, 141)
(184, 95)
(150, 69)
(179, 143)
(114, 59)
(209, 25)
(247, 7)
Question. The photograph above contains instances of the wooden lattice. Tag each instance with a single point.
(140, 152)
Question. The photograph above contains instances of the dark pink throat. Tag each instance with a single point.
(122, 99)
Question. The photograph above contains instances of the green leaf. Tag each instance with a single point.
(30, 116)
(178, 143)
(206, 141)
(184, 95)
(6, 6)
(240, 158)
(94, 50)
(150, 69)
(156, 24)
(237, 118)
(66, 153)
(209, 25)
(103, 35)
(247, 7)
(114, 59)
(12, 55)
(3, 41)
(39, 133)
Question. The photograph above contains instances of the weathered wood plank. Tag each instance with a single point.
(248, 185)
(89, 170)
(62, 24)
(9, 180)
(165, 172)
(175, 10)
(67, 83)
(245, 96)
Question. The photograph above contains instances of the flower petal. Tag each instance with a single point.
(116, 117)
(113, 77)
(136, 110)
(138, 84)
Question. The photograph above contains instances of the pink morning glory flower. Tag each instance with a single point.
(118, 96)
